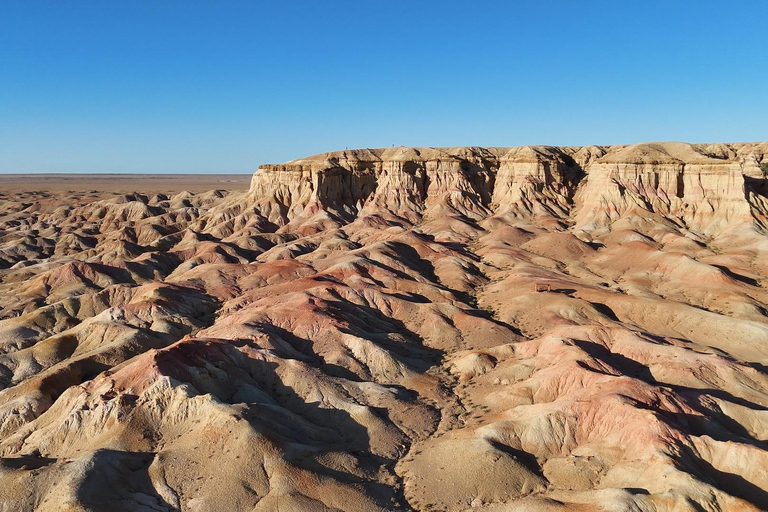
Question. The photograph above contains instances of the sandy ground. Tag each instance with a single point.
(123, 183)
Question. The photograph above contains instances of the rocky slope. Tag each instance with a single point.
(360, 331)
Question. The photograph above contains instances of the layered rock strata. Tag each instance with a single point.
(704, 186)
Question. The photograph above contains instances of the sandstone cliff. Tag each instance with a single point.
(707, 188)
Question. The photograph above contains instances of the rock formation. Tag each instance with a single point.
(360, 331)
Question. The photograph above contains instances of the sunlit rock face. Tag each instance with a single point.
(700, 185)
(361, 330)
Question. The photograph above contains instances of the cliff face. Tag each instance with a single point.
(705, 191)
(702, 186)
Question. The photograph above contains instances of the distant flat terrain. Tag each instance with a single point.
(119, 183)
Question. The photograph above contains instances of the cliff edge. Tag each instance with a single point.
(708, 188)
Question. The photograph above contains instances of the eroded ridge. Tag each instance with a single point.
(530, 328)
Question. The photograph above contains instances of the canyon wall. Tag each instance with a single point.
(701, 186)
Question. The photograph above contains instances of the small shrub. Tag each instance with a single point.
(764, 168)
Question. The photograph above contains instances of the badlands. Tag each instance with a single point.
(497, 329)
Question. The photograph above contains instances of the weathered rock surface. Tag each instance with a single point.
(360, 331)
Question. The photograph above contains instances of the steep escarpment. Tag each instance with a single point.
(411, 181)
(370, 330)
(705, 191)
(709, 188)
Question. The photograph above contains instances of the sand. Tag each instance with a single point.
(117, 183)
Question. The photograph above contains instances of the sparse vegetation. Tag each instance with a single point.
(491, 312)
(764, 168)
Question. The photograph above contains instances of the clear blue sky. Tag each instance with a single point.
(223, 86)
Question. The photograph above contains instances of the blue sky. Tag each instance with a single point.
(223, 86)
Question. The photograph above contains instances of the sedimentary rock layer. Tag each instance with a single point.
(706, 186)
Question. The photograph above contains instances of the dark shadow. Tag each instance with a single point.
(482, 178)
(120, 275)
(411, 297)
(157, 265)
(733, 484)
(738, 277)
(717, 393)
(631, 367)
(572, 173)
(403, 393)
(383, 266)
(120, 481)
(714, 424)
(655, 338)
(419, 174)
(334, 370)
(618, 362)
(694, 505)
(524, 458)
(326, 278)
(304, 349)
(757, 185)
(411, 258)
(605, 311)
(759, 367)
(454, 246)
(26, 462)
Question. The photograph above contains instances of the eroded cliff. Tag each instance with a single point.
(701, 186)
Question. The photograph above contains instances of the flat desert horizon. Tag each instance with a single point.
(122, 182)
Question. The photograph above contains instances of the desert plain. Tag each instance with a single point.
(500, 329)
